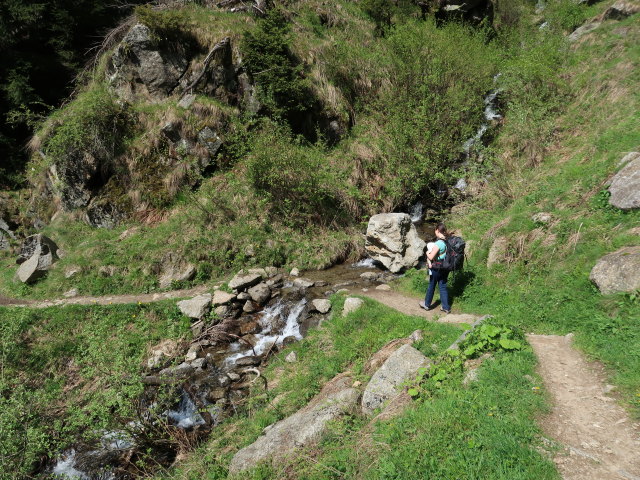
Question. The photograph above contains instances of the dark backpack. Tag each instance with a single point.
(454, 255)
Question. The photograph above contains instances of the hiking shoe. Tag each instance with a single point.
(424, 307)
(445, 311)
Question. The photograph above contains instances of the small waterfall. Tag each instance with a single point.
(186, 414)
(65, 468)
(365, 263)
(416, 212)
(266, 339)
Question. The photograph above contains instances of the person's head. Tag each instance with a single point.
(441, 231)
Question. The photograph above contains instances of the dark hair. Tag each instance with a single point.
(442, 229)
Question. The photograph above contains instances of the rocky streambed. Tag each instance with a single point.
(191, 387)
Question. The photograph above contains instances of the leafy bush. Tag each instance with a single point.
(381, 12)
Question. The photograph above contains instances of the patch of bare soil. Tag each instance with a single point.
(600, 442)
(409, 306)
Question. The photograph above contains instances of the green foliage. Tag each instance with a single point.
(71, 372)
(165, 24)
(267, 54)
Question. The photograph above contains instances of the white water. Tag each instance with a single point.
(65, 468)
(490, 114)
(416, 212)
(116, 441)
(365, 263)
(266, 339)
(186, 415)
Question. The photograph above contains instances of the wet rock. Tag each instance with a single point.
(180, 371)
(286, 341)
(244, 280)
(197, 307)
(303, 283)
(392, 240)
(351, 304)
(618, 271)
(498, 251)
(338, 286)
(249, 361)
(140, 63)
(221, 297)
(199, 363)
(369, 276)
(260, 293)
(251, 326)
(621, 10)
(625, 185)
(401, 366)
(250, 307)
(291, 358)
(301, 429)
(321, 305)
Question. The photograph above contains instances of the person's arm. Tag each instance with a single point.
(433, 253)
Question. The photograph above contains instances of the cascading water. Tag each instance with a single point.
(416, 212)
(186, 415)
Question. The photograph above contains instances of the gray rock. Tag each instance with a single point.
(301, 429)
(244, 280)
(165, 350)
(384, 287)
(199, 363)
(416, 336)
(234, 377)
(244, 296)
(392, 240)
(36, 244)
(6, 235)
(294, 272)
(303, 283)
(250, 307)
(221, 297)
(187, 100)
(71, 272)
(197, 307)
(625, 185)
(369, 276)
(260, 293)
(542, 217)
(249, 361)
(618, 271)
(180, 371)
(291, 358)
(583, 30)
(621, 10)
(401, 366)
(210, 140)
(351, 304)
(71, 293)
(321, 305)
(222, 310)
(498, 251)
(140, 62)
(173, 268)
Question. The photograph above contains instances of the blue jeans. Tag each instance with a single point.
(439, 277)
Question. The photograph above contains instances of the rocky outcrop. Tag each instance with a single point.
(625, 185)
(618, 271)
(140, 62)
(37, 254)
(621, 10)
(6, 235)
(392, 240)
(402, 365)
(301, 429)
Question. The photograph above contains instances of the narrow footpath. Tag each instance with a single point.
(598, 440)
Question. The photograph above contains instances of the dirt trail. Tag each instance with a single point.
(409, 306)
(600, 441)
(106, 300)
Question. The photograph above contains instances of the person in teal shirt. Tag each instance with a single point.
(438, 276)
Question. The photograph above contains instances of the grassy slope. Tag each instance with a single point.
(546, 288)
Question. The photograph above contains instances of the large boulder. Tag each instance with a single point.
(36, 244)
(618, 271)
(260, 293)
(392, 240)
(196, 307)
(142, 63)
(244, 280)
(401, 366)
(37, 254)
(625, 185)
(621, 10)
(301, 429)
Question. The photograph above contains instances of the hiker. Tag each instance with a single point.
(438, 275)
